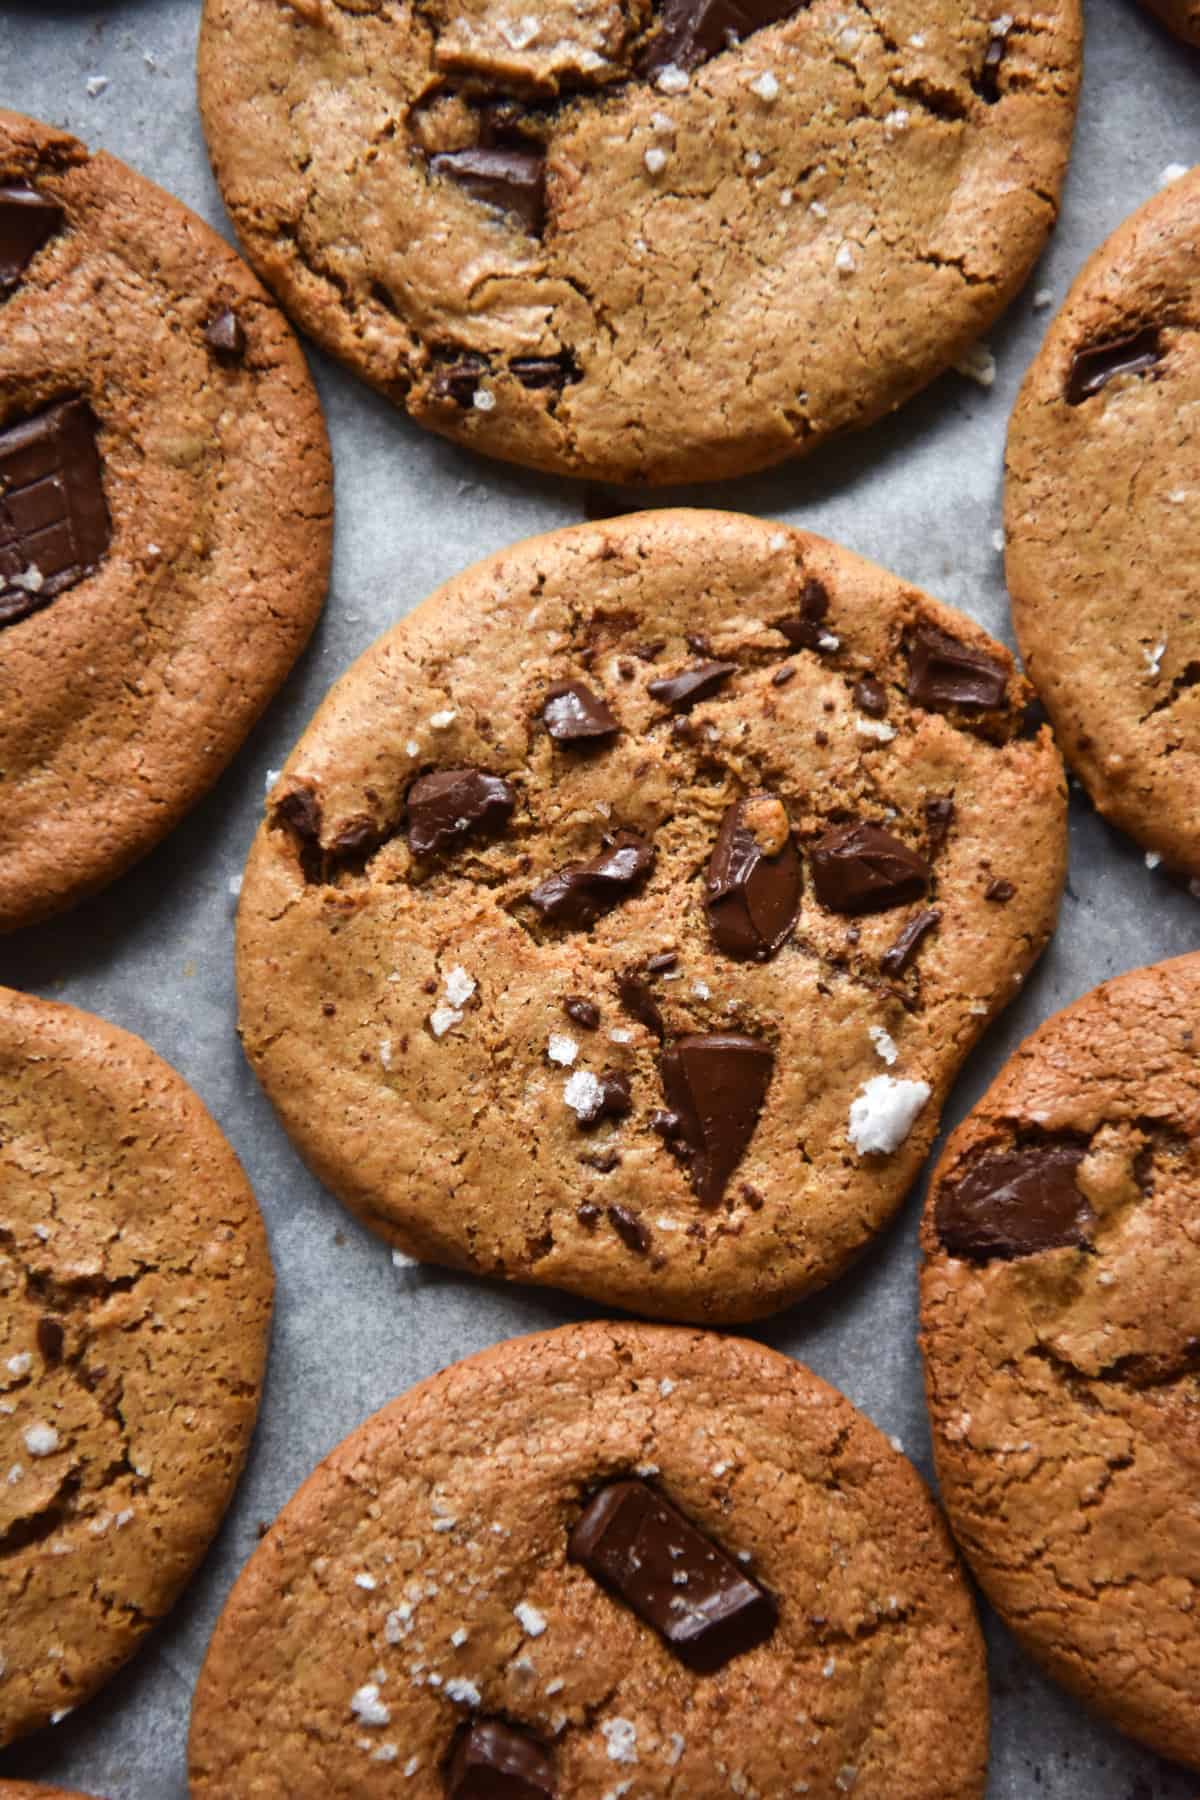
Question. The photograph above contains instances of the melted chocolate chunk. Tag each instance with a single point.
(860, 868)
(573, 714)
(638, 1000)
(944, 672)
(939, 816)
(445, 807)
(584, 1012)
(716, 1086)
(514, 180)
(1015, 1203)
(225, 336)
(50, 1339)
(895, 960)
(457, 380)
(682, 691)
(492, 1761)
(1093, 369)
(870, 696)
(805, 629)
(579, 892)
(692, 31)
(612, 1101)
(1000, 891)
(545, 371)
(686, 1588)
(752, 890)
(54, 524)
(27, 221)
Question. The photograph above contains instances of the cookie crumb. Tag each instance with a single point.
(978, 364)
(1043, 298)
(96, 85)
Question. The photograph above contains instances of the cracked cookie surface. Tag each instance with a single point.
(624, 914)
(1101, 504)
(549, 243)
(135, 1301)
(164, 514)
(1060, 1328)
(427, 1577)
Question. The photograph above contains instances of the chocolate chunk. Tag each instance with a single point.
(448, 805)
(752, 890)
(692, 31)
(895, 960)
(458, 380)
(629, 1229)
(944, 672)
(1000, 891)
(492, 1761)
(225, 336)
(584, 1012)
(861, 868)
(54, 523)
(662, 964)
(50, 1339)
(1015, 1203)
(716, 1084)
(638, 1001)
(573, 714)
(579, 892)
(513, 180)
(300, 811)
(686, 1588)
(544, 371)
(870, 696)
(1093, 369)
(939, 816)
(681, 692)
(668, 1125)
(805, 629)
(612, 1101)
(356, 840)
(27, 221)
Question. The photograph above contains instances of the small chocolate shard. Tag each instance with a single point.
(805, 629)
(513, 180)
(613, 1101)
(943, 672)
(579, 892)
(629, 1228)
(545, 372)
(1094, 368)
(870, 696)
(226, 336)
(1015, 1203)
(715, 1084)
(27, 221)
(896, 959)
(690, 32)
(682, 691)
(861, 868)
(999, 891)
(457, 380)
(939, 816)
(705, 1608)
(54, 523)
(574, 714)
(493, 1761)
(50, 1339)
(451, 804)
(754, 881)
(782, 676)
(585, 1013)
(662, 964)
(638, 1000)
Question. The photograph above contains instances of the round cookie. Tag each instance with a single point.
(135, 1301)
(606, 241)
(622, 917)
(1180, 16)
(1101, 524)
(471, 1553)
(1060, 1326)
(164, 514)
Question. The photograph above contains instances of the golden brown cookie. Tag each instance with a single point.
(1061, 1325)
(135, 1301)
(1101, 510)
(36, 1790)
(623, 916)
(1180, 16)
(164, 514)
(662, 1562)
(614, 240)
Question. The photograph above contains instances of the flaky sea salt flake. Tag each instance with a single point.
(883, 1113)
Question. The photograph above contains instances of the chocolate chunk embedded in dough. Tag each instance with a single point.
(450, 804)
(862, 868)
(492, 1761)
(944, 672)
(754, 880)
(579, 892)
(1015, 1203)
(54, 523)
(27, 221)
(514, 180)
(715, 1086)
(1093, 369)
(692, 31)
(574, 714)
(682, 691)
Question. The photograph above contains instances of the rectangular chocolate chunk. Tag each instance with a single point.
(54, 523)
(494, 1761)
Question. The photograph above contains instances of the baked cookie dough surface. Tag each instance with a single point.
(164, 514)
(1180, 16)
(135, 1302)
(1102, 518)
(1060, 1326)
(641, 244)
(623, 916)
(428, 1579)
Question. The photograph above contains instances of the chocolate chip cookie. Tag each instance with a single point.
(1061, 1330)
(644, 242)
(623, 916)
(164, 514)
(1101, 518)
(135, 1298)
(608, 1558)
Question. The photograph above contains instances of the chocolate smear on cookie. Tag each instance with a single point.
(574, 714)
(493, 1761)
(691, 31)
(714, 1086)
(682, 691)
(578, 893)
(1015, 1203)
(754, 881)
(513, 180)
(1093, 369)
(704, 1607)
(27, 221)
(862, 868)
(54, 523)
(450, 804)
(944, 672)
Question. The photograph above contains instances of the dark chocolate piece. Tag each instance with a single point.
(944, 672)
(662, 963)
(54, 523)
(939, 816)
(544, 371)
(638, 1000)
(870, 696)
(300, 811)
(861, 868)
(226, 337)
(492, 1761)
(50, 1339)
(692, 31)
(448, 805)
(754, 882)
(629, 1228)
(1000, 891)
(612, 1102)
(1093, 369)
(584, 1012)
(716, 1086)
(782, 676)
(514, 180)
(27, 221)
(895, 960)
(579, 892)
(805, 629)
(682, 691)
(573, 714)
(1015, 1203)
(686, 1588)
(458, 380)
